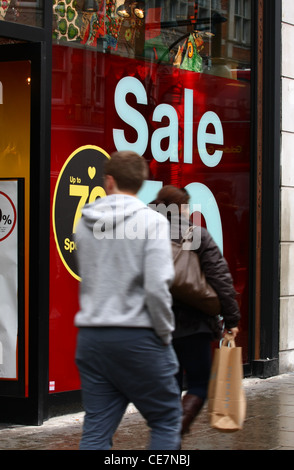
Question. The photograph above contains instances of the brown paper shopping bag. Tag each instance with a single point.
(226, 397)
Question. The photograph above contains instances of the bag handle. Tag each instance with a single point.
(189, 233)
(188, 236)
(228, 341)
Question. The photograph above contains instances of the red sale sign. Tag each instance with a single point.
(194, 131)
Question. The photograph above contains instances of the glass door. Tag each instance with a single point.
(15, 131)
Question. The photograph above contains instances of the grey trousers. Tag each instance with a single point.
(119, 366)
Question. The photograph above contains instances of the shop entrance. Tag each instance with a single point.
(20, 178)
(15, 105)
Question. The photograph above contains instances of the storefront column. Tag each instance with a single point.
(266, 328)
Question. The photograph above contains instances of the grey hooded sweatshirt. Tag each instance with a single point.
(125, 264)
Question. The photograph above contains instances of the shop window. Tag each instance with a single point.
(170, 80)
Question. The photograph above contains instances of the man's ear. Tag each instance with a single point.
(110, 184)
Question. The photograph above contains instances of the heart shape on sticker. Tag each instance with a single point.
(91, 171)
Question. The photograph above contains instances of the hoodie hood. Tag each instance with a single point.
(109, 214)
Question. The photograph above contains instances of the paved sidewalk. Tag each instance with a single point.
(269, 425)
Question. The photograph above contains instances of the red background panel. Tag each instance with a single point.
(83, 113)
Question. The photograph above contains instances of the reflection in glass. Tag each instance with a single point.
(124, 10)
(208, 36)
(23, 12)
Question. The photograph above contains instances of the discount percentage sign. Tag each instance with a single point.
(7, 220)
(7, 216)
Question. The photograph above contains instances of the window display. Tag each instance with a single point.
(171, 81)
(209, 36)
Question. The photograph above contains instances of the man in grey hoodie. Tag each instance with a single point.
(124, 352)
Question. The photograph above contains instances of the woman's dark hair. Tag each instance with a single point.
(171, 195)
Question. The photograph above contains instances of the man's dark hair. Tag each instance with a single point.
(128, 169)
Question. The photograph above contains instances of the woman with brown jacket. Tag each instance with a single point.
(194, 329)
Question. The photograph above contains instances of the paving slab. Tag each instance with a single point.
(269, 425)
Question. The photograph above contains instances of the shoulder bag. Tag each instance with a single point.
(190, 285)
